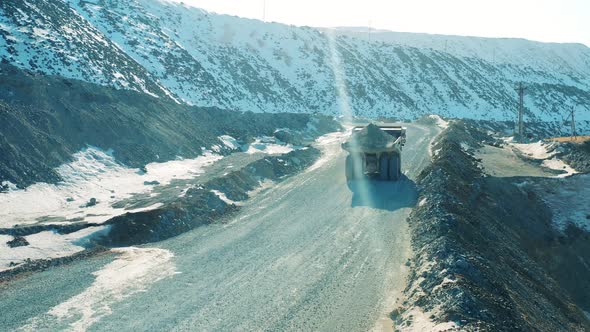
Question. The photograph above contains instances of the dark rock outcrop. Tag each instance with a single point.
(91, 202)
(577, 155)
(18, 241)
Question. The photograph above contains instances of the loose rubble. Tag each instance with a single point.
(371, 137)
(482, 268)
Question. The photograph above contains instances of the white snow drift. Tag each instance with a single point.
(93, 174)
(133, 271)
(546, 152)
(45, 245)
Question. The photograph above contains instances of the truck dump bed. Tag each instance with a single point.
(375, 151)
(373, 139)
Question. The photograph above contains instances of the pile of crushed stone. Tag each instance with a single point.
(372, 137)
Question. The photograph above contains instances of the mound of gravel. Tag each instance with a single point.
(371, 137)
(577, 155)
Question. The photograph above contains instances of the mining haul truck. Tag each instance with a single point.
(375, 151)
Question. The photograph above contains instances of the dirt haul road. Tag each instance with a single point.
(311, 253)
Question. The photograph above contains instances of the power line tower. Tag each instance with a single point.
(573, 124)
(520, 89)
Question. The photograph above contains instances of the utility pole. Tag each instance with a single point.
(369, 30)
(573, 124)
(520, 89)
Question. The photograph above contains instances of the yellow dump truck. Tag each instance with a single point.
(375, 151)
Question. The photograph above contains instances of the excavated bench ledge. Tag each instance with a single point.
(475, 240)
(213, 201)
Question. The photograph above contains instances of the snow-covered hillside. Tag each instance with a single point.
(571, 59)
(205, 59)
(48, 36)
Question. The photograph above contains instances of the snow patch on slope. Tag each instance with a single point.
(45, 245)
(547, 153)
(224, 198)
(93, 174)
(439, 121)
(229, 142)
(559, 165)
(268, 145)
(420, 322)
(513, 51)
(422, 201)
(536, 150)
(8, 185)
(58, 41)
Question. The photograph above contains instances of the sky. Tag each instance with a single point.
(541, 20)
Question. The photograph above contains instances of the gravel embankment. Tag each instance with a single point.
(44, 120)
(577, 155)
(476, 241)
(201, 205)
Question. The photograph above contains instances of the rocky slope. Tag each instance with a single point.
(44, 120)
(166, 48)
(499, 267)
(48, 36)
